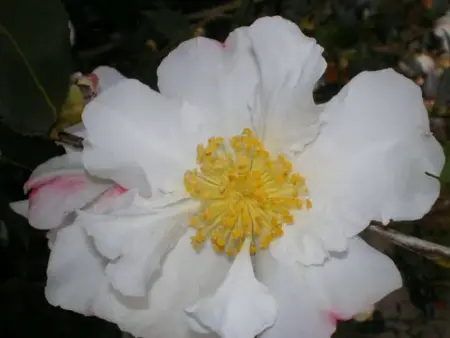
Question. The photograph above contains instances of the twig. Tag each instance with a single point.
(215, 11)
(70, 139)
(425, 248)
(89, 53)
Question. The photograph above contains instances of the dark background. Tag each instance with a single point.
(134, 36)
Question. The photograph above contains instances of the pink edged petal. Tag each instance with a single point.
(140, 139)
(300, 314)
(311, 299)
(352, 282)
(107, 77)
(241, 307)
(68, 164)
(52, 201)
(57, 188)
(136, 240)
(219, 78)
(371, 159)
(290, 64)
(75, 272)
(186, 276)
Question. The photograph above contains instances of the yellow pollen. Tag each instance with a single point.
(244, 193)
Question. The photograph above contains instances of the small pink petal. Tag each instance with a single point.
(334, 317)
(67, 184)
(52, 199)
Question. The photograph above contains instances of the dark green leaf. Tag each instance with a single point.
(171, 24)
(35, 63)
(445, 174)
(245, 13)
(4, 236)
(443, 90)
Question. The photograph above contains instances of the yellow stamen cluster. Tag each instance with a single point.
(243, 194)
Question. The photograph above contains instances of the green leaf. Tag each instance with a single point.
(171, 24)
(35, 63)
(445, 174)
(244, 15)
(443, 90)
(4, 237)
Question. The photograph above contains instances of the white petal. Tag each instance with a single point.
(57, 188)
(290, 64)
(57, 166)
(241, 306)
(75, 271)
(352, 282)
(107, 77)
(135, 243)
(185, 277)
(20, 207)
(137, 137)
(312, 299)
(309, 239)
(371, 157)
(300, 314)
(219, 78)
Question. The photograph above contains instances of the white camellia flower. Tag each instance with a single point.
(229, 204)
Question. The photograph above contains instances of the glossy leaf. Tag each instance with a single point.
(35, 63)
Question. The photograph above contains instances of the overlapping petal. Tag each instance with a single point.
(76, 271)
(372, 158)
(186, 276)
(219, 78)
(289, 65)
(57, 188)
(241, 306)
(141, 139)
(135, 240)
(312, 299)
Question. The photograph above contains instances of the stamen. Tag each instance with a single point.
(243, 194)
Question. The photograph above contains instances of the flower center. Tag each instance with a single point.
(243, 194)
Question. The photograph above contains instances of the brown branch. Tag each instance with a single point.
(420, 246)
(70, 140)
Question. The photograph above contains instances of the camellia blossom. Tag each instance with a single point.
(228, 203)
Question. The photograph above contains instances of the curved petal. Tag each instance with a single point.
(290, 64)
(20, 207)
(186, 276)
(67, 164)
(135, 242)
(352, 282)
(75, 272)
(312, 299)
(309, 240)
(107, 77)
(241, 306)
(299, 312)
(137, 137)
(57, 188)
(218, 78)
(371, 159)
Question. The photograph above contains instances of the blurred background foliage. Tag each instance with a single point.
(42, 91)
